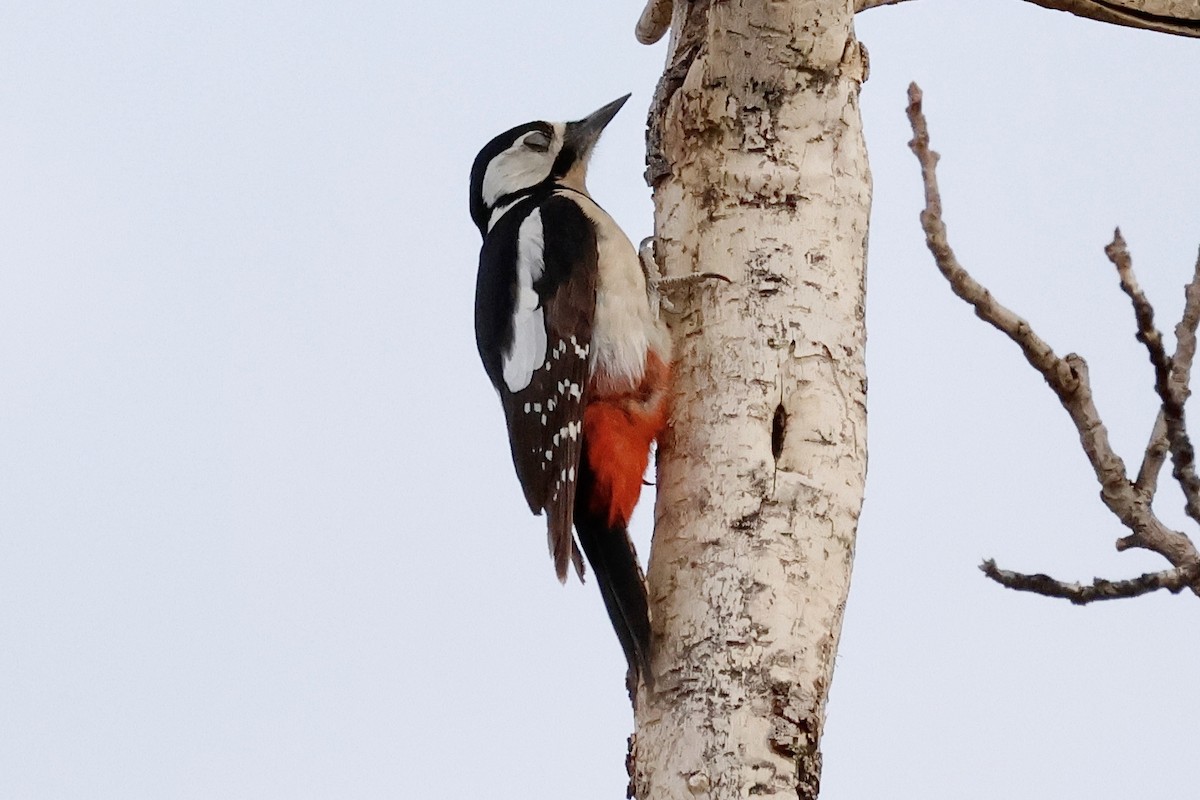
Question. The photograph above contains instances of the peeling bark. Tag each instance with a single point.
(756, 154)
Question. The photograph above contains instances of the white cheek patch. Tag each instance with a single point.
(520, 167)
(528, 350)
(515, 169)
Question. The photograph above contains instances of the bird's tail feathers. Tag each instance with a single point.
(623, 587)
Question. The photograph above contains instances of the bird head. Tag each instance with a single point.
(528, 156)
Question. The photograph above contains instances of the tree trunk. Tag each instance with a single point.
(760, 173)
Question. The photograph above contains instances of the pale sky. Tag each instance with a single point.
(259, 531)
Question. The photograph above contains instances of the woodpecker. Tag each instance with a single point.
(571, 342)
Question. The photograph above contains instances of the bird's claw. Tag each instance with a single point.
(659, 286)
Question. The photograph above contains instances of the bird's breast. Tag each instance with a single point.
(624, 328)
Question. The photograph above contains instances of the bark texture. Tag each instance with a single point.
(760, 173)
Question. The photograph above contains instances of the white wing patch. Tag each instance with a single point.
(528, 350)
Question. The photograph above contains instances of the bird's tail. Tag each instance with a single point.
(615, 564)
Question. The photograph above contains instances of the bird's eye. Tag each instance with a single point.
(538, 141)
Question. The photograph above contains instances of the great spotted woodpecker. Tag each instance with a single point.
(571, 342)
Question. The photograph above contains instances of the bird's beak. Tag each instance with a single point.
(582, 135)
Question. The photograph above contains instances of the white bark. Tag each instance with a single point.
(760, 174)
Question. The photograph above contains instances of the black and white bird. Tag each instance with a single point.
(571, 341)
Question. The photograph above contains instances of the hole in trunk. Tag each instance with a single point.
(778, 430)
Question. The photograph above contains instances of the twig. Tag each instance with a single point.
(1173, 580)
(1068, 379)
(1183, 456)
(1185, 351)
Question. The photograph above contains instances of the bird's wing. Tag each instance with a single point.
(544, 371)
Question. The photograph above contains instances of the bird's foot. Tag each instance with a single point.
(661, 286)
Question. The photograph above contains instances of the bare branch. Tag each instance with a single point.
(1179, 17)
(1183, 455)
(863, 5)
(1152, 462)
(654, 22)
(1181, 366)
(1068, 378)
(1173, 580)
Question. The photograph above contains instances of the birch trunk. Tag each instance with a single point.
(759, 173)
